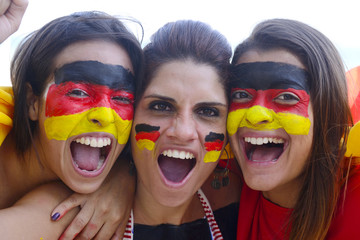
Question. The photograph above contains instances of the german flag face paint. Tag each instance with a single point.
(269, 95)
(213, 144)
(146, 136)
(90, 96)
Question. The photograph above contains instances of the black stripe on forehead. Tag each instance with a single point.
(269, 75)
(113, 76)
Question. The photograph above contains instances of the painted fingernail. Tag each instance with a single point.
(55, 216)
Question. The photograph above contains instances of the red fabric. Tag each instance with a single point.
(261, 219)
(345, 224)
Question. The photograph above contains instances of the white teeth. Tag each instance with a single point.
(263, 140)
(94, 142)
(178, 154)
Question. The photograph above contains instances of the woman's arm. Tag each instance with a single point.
(28, 218)
(104, 213)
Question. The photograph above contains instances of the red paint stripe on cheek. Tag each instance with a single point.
(153, 136)
(214, 146)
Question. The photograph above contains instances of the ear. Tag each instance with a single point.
(33, 103)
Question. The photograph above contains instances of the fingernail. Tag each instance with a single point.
(55, 216)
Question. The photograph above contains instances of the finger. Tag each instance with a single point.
(78, 224)
(119, 233)
(93, 226)
(102, 224)
(71, 202)
(107, 231)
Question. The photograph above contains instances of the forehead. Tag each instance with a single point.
(269, 75)
(273, 55)
(187, 78)
(94, 50)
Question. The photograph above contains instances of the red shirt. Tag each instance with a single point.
(261, 219)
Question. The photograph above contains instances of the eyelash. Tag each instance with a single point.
(123, 100)
(155, 106)
(166, 107)
(77, 93)
(241, 96)
(204, 111)
(287, 98)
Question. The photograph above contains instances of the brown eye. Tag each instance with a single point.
(122, 100)
(287, 98)
(160, 106)
(241, 96)
(208, 112)
(77, 93)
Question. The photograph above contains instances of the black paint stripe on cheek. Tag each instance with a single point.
(214, 136)
(269, 75)
(145, 128)
(114, 76)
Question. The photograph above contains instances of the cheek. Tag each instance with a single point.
(145, 135)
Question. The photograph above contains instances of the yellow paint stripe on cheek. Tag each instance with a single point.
(211, 156)
(253, 118)
(64, 127)
(145, 143)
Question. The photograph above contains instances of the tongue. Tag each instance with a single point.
(175, 169)
(265, 153)
(86, 157)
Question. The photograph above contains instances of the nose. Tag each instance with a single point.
(259, 115)
(101, 116)
(183, 128)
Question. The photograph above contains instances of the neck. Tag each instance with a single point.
(19, 175)
(148, 211)
(286, 196)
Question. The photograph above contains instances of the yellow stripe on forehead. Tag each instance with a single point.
(66, 126)
(249, 117)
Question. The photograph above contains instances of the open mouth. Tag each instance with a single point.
(263, 149)
(175, 165)
(90, 153)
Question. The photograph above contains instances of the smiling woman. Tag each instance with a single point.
(287, 134)
(74, 85)
(179, 133)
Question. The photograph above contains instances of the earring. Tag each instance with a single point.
(132, 168)
(223, 173)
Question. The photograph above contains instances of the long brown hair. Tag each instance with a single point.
(319, 194)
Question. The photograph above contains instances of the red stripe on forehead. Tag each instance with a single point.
(60, 99)
(266, 99)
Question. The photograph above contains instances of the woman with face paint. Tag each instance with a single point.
(288, 115)
(74, 84)
(178, 134)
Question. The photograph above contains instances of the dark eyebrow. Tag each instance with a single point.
(211, 104)
(200, 104)
(161, 97)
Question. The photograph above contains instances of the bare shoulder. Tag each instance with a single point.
(30, 216)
